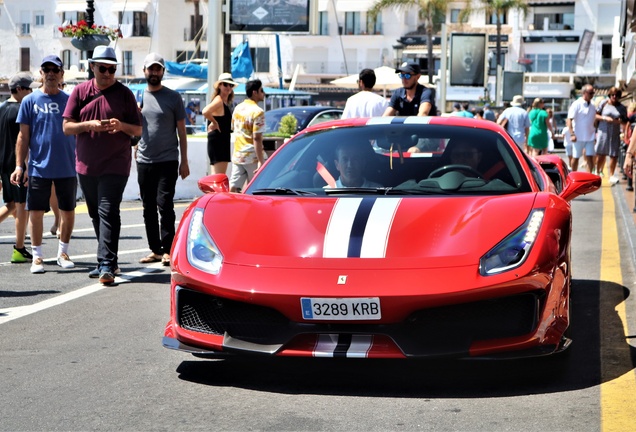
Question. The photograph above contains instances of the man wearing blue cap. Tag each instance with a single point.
(413, 99)
(103, 114)
(51, 161)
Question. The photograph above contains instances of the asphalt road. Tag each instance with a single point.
(79, 356)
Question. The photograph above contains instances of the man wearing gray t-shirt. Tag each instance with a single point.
(157, 155)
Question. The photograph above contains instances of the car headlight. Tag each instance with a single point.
(202, 252)
(514, 249)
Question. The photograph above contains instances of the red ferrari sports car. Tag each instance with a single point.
(388, 237)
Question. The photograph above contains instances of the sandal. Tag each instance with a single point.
(165, 260)
(152, 258)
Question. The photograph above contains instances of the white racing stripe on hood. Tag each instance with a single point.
(376, 232)
(339, 228)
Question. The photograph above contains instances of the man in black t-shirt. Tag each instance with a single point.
(413, 99)
(14, 196)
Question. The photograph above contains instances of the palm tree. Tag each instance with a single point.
(429, 11)
(498, 8)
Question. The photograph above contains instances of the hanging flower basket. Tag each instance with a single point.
(89, 42)
(87, 38)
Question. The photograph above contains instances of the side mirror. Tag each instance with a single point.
(214, 183)
(579, 183)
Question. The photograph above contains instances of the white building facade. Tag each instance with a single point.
(558, 44)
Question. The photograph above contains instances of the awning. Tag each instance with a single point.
(421, 49)
(533, 3)
(130, 6)
(70, 6)
(547, 90)
(353, 5)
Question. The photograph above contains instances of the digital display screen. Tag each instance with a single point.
(277, 16)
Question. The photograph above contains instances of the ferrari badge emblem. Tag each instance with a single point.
(342, 279)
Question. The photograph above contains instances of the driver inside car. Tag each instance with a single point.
(351, 161)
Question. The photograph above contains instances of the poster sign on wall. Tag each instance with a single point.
(512, 85)
(584, 47)
(280, 16)
(468, 59)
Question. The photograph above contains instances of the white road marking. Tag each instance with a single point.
(10, 314)
(47, 234)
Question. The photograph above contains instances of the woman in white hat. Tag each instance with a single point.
(219, 115)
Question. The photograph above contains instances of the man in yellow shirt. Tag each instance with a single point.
(248, 121)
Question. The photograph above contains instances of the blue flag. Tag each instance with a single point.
(242, 61)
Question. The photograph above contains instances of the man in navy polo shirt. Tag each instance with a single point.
(413, 99)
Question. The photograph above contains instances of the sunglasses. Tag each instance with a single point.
(405, 76)
(51, 69)
(224, 84)
(111, 70)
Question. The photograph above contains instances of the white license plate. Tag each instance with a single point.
(341, 308)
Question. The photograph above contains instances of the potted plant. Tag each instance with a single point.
(288, 127)
(87, 38)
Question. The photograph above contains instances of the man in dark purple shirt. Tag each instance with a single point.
(103, 114)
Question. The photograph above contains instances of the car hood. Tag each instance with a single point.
(357, 232)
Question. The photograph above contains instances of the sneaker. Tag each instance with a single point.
(94, 274)
(37, 266)
(65, 262)
(629, 188)
(614, 180)
(21, 255)
(106, 277)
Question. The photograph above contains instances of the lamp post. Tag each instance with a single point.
(399, 50)
(90, 20)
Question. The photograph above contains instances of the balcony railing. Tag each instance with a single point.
(606, 66)
(336, 68)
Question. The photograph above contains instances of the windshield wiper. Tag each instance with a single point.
(281, 191)
(358, 190)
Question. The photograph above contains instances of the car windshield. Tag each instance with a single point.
(394, 159)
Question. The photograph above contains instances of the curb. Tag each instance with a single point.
(625, 201)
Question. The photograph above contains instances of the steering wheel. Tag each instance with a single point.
(454, 167)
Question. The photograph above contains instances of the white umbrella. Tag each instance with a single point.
(385, 78)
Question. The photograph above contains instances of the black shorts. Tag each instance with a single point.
(39, 193)
(11, 192)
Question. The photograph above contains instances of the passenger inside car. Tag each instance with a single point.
(465, 154)
(480, 159)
